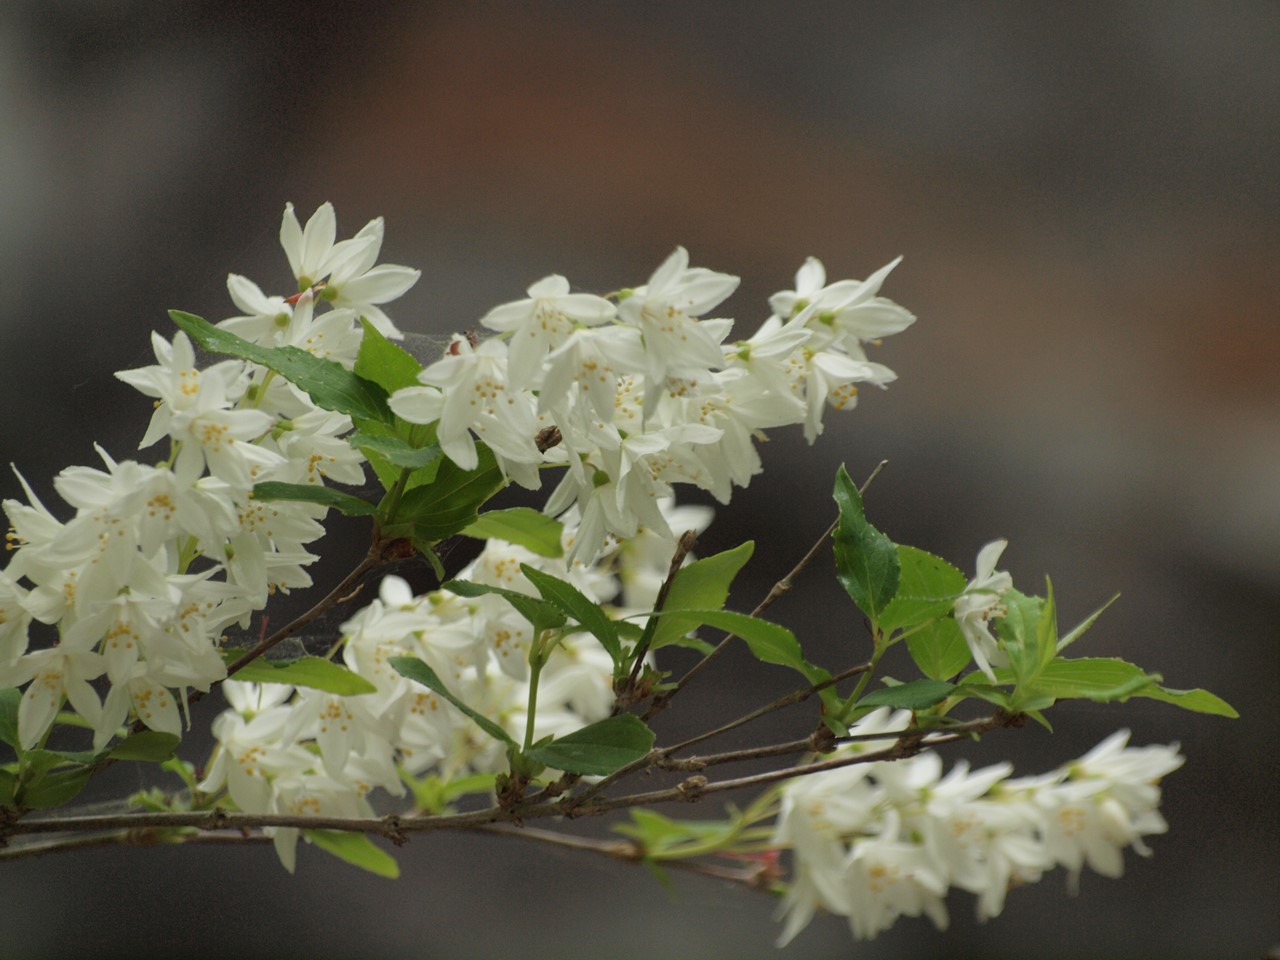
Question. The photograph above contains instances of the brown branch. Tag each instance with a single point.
(398, 828)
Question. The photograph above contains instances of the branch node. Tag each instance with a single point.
(393, 830)
(691, 790)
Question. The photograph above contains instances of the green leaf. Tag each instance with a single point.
(55, 788)
(395, 450)
(540, 613)
(415, 669)
(1198, 701)
(8, 786)
(357, 849)
(450, 503)
(151, 746)
(574, 603)
(665, 839)
(867, 564)
(1085, 624)
(927, 589)
(1019, 630)
(344, 503)
(523, 526)
(1089, 678)
(315, 672)
(385, 363)
(985, 691)
(598, 749)
(939, 649)
(9, 700)
(914, 695)
(328, 384)
(701, 585)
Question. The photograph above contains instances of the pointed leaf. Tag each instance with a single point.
(314, 672)
(1078, 631)
(356, 849)
(55, 788)
(415, 669)
(451, 502)
(523, 526)
(540, 613)
(151, 746)
(701, 585)
(939, 649)
(574, 603)
(328, 384)
(395, 450)
(1090, 678)
(866, 560)
(915, 695)
(598, 749)
(1198, 701)
(385, 363)
(344, 503)
(1017, 630)
(927, 589)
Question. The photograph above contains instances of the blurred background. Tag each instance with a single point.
(1088, 200)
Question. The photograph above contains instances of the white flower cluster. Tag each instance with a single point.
(642, 389)
(281, 751)
(647, 393)
(160, 559)
(876, 841)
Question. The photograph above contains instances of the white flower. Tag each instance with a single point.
(196, 409)
(542, 323)
(979, 603)
(312, 253)
(265, 318)
(56, 674)
(476, 398)
(664, 310)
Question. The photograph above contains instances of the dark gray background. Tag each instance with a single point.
(1087, 198)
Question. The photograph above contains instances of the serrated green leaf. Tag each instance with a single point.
(55, 788)
(415, 669)
(598, 749)
(385, 363)
(541, 614)
(1091, 678)
(9, 700)
(769, 642)
(150, 746)
(574, 603)
(914, 695)
(357, 850)
(451, 502)
(927, 589)
(328, 384)
(939, 649)
(1197, 700)
(523, 526)
(314, 672)
(866, 560)
(344, 503)
(701, 585)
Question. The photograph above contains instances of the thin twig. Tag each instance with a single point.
(686, 543)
